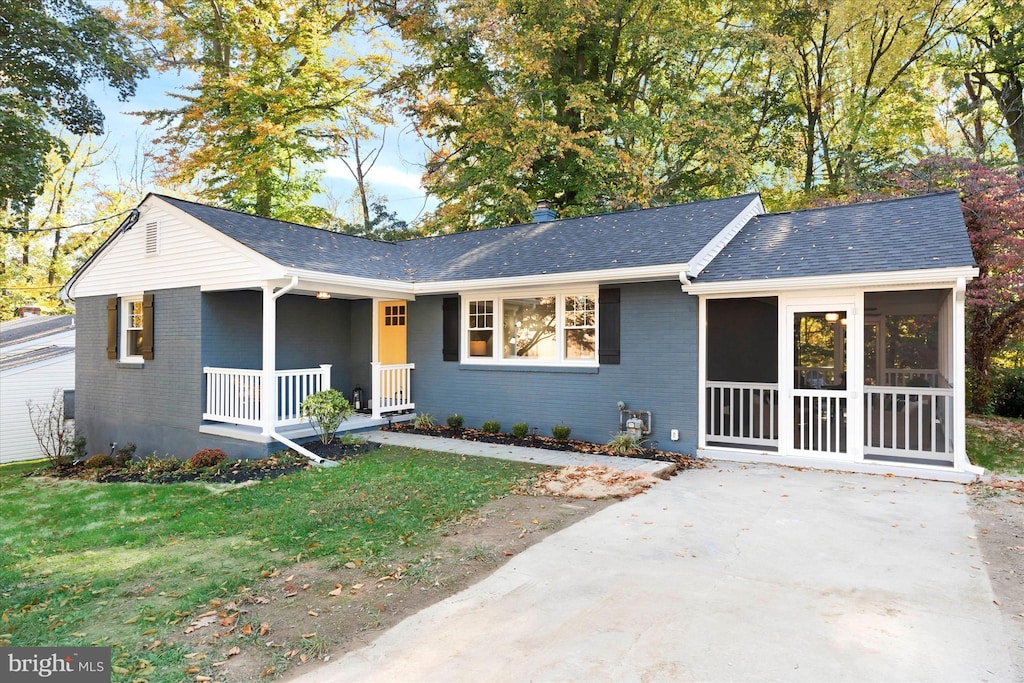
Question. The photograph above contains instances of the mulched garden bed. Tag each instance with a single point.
(158, 471)
(537, 441)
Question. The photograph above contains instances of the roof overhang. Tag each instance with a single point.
(928, 276)
(670, 271)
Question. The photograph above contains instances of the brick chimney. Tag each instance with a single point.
(29, 311)
(544, 213)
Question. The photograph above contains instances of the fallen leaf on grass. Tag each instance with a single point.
(247, 630)
(290, 653)
(191, 670)
(264, 628)
(309, 635)
(234, 651)
(302, 659)
(268, 671)
(338, 590)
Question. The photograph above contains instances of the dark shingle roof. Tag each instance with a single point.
(910, 233)
(643, 237)
(300, 246)
(33, 327)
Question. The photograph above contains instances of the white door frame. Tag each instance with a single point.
(850, 305)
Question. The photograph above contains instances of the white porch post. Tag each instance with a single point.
(268, 388)
(702, 371)
(268, 392)
(959, 377)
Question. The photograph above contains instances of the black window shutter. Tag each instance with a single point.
(147, 327)
(112, 328)
(608, 322)
(450, 324)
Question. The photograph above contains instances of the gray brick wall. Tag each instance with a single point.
(155, 405)
(658, 372)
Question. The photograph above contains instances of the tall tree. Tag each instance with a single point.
(857, 72)
(991, 61)
(275, 82)
(50, 50)
(71, 217)
(591, 105)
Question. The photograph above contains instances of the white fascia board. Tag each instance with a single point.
(708, 253)
(843, 280)
(606, 275)
(351, 284)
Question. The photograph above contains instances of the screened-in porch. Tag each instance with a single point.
(855, 376)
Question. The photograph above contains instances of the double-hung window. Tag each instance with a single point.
(132, 325)
(543, 328)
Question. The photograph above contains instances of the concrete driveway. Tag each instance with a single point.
(726, 574)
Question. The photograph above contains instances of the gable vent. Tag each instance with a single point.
(152, 238)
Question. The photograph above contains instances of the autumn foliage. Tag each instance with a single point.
(993, 207)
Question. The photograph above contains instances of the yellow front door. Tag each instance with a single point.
(391, 332)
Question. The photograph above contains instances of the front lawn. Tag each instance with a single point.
(128, 565)
(997, 444)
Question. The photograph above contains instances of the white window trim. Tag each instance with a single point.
(124, 324)
(498, 297)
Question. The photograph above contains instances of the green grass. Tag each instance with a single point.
(999, 450)
(122, 565)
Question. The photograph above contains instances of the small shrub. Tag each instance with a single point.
(1008, 395)
(520, 430)
(491, 427)
(207, 457)
(124, 454)
(423, 421)
(350, 439)
(326, 410)
(98, 461)
(455, 421)
(78, 452)
(624, 443)
(51, 429)
(561, 432)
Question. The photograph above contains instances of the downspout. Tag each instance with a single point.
(270, 394)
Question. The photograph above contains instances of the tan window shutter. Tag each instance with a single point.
(147, 327)
(112, 328)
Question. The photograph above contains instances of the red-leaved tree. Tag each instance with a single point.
(993, 204)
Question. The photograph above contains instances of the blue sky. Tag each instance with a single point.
(396, 174)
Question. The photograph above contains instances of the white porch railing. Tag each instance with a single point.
(391, 389)
(819, 417)
(902, 377)
(911, 422)
(234, 395)
(743, 413)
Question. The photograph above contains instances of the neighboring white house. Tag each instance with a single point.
(37, 357)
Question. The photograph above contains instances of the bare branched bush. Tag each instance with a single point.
(53, 432)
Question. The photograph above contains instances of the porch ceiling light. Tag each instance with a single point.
(842, 321)
(323, 296)
(832, 317)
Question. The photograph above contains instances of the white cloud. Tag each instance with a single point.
(380, 175)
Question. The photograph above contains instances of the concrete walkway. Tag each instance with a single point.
(726, 574)
(539, 456)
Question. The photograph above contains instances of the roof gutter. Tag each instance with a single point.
(858, 280)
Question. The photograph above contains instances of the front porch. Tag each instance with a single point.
(266, 350)
(854, 377)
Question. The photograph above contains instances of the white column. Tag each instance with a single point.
(958, 420)
(702, 371)
(268, 394)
